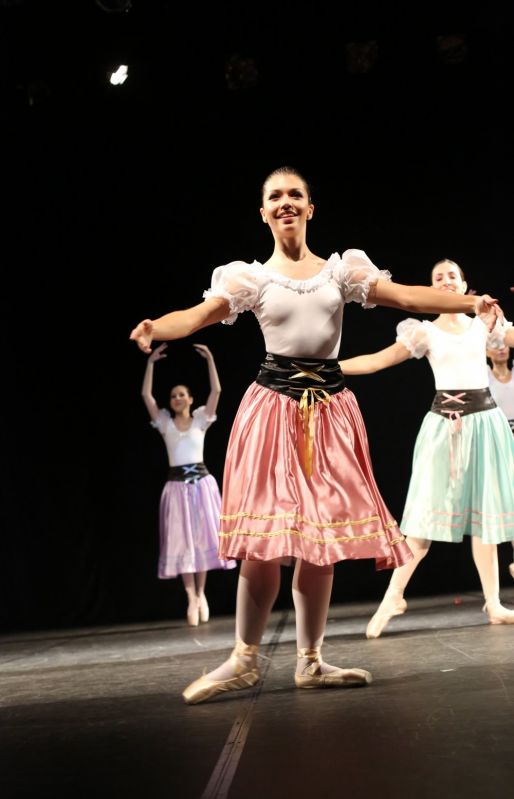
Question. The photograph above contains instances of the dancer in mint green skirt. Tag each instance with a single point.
(462, 480)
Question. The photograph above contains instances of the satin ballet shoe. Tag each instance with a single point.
(386, 610)
(204, 609)
(498, 614)
(193, 613)
(511, 570)
(203, 689)
(312, 677)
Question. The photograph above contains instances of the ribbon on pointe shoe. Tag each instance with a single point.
(312, 676)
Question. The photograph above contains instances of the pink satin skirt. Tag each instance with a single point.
(270, 509)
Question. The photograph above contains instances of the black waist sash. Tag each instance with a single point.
(295, 376)
(454, 402)
(187, 473)
(307, 380)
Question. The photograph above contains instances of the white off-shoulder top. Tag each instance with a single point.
(458, 361)
(298, 318)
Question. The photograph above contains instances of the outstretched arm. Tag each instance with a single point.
(375, 361)
(425, 299)
(179, 324)
(147, 387)
(214, 396)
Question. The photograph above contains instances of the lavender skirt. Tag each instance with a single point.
(189, 524)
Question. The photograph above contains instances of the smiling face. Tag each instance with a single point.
(286, 206)
(180, 399)
(447, 276)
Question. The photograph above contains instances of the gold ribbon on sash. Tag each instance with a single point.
(308, 400)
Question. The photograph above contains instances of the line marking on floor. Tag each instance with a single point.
(224, 770)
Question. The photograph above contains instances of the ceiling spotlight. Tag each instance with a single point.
(241, 72)
(114, 6)
(120, 76)
(361, 57)
(452, 49)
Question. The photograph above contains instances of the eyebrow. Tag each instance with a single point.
(293, 188)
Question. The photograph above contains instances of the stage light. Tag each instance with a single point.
(452, 49)
(119, 76)
(361, 57)
(241, 72)
(114, 6)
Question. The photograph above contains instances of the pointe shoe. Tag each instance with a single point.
(312, 676)
(498, 614)
(204, 609)
(386, 610)
(511, 569)
(193, 613)
(204, 688)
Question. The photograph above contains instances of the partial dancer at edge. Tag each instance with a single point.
(463, 464)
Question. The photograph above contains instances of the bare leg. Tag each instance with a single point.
(393, 603)
(201, 579)
(486, 561)
(312, 587)
(193, 609)
(511, 566)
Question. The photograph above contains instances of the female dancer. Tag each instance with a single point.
(501, 381)
(190, 500)
(463, 463)
(501, 385)
(298, 480)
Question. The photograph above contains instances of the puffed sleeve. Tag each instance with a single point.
(236, 283)
(355, 273)
(496, 338)
(162, 421)
(413, 334)
(202, 418)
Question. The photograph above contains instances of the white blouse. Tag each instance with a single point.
(301, 318)
(503, 394)
(458, 361)
(184, 446)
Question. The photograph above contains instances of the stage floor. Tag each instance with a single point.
(98, 712)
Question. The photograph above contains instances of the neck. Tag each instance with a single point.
(501, 370)
(291, 249)
(456, 319)
(183, 414)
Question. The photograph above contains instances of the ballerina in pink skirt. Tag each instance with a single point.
(298, 480)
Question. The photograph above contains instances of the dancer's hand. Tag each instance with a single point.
(203, 350)
(143, 335)
(158, 353)
(489, 311)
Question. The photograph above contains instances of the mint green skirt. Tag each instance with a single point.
(462, 480)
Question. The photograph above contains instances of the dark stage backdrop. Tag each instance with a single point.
(120, 201)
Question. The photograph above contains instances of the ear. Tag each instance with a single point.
(310, 211)
(263, 216)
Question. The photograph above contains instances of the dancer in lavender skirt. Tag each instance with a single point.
(190, 500)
